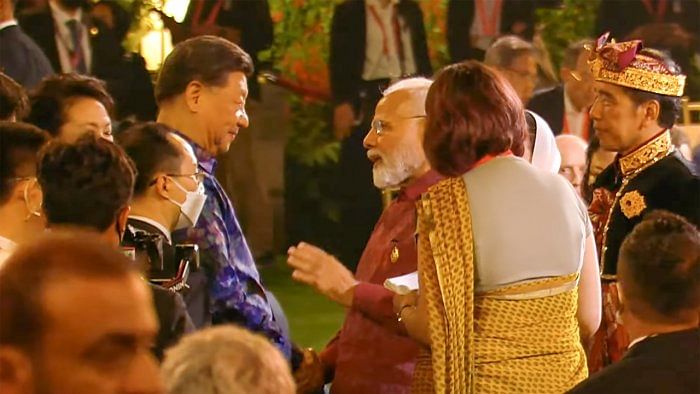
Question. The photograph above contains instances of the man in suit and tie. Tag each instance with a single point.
(20, 57)
(659, 287)
(166, 198)
(76, 43)
(565, 107)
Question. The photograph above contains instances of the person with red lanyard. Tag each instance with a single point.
(508, 271)
(637, 101)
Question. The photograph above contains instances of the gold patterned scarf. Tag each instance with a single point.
(519, 343)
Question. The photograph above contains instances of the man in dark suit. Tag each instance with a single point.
(372, 43)
(75, 42)
(20, 57)
(165, 199)
(565, 107)
(659, 284)
(472, 25)
(88, 184)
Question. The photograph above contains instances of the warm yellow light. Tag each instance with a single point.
(176, 9)
(157, 43)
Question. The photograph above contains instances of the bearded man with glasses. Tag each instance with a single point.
(370, 353)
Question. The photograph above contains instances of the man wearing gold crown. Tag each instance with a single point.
(637, 101)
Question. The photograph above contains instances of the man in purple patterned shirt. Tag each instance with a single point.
(201, 92)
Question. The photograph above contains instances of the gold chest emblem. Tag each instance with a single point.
(394, 254)
(632, 204)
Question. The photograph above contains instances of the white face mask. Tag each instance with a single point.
(191, 208)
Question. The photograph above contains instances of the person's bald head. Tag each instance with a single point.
(394, 142)
(573, 159)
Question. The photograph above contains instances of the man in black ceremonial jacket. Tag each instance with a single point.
(637, 101)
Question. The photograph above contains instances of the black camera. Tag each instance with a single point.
(169, 268)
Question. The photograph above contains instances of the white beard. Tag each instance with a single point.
(393, 171)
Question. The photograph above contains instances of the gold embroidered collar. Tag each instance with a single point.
(649, 153)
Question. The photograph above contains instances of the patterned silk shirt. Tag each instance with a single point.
(236, 292)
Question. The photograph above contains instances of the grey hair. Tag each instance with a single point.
(506, 49)
(226, 360)
(415, 83)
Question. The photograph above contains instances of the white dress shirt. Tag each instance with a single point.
(155, 224)
(6, 24)
(378, 64)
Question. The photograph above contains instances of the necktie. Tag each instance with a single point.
(77, 56)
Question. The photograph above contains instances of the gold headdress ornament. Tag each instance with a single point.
(621, 64)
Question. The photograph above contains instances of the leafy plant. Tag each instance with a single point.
(572, 21)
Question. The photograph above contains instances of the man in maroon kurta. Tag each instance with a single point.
(370, 353)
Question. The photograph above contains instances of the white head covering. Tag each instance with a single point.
(545, 154)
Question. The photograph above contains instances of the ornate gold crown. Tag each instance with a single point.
(621, 64)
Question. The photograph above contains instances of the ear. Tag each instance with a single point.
(35, 197)
(161, 186)
(193, 96)
(122, 218)
(652, 111)
(15, 371)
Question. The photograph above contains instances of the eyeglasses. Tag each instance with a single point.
(197, 176)
(379, 126)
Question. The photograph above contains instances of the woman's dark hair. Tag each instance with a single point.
(55, 93)
(472, 112)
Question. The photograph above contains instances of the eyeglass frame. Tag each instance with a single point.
(377, 123)
(198, 175)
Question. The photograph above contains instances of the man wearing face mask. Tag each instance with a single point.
(88, 184)
(20, 196)
(168, 196)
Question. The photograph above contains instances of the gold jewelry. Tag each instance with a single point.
(621, 63)
(394, 254)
